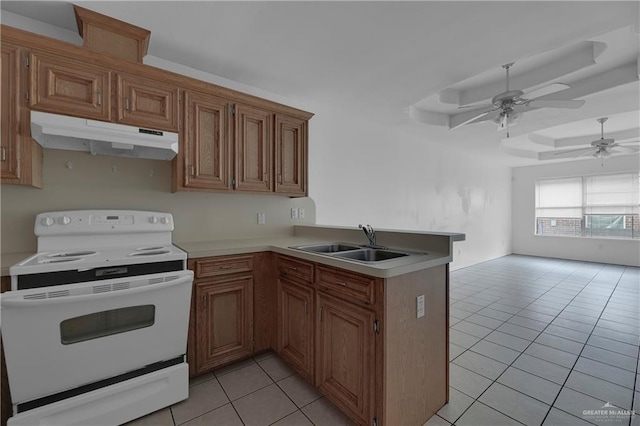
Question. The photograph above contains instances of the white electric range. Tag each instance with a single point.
(95, 327)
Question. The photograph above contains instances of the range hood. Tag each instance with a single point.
(98, 137)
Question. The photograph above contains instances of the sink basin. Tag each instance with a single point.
(328, 248)
(371, 255)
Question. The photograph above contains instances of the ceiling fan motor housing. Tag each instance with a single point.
(506, 97)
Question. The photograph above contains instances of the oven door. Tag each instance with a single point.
(59, 338)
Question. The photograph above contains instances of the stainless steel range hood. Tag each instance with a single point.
(98, 137)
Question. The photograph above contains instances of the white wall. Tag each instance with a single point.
(607, 250)
(362, 172)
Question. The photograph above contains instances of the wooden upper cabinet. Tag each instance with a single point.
(146, 103)
(20, 156)
(290, 155)
(64, 86)
(10, 125)
(206, 143)
(345, 347)
(253, 149)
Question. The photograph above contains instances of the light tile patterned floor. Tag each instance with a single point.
(534, 341)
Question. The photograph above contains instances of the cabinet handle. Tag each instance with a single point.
(305, 306)
(126, 104)
(4, 153)
(341, 283)
(320, 313)
(279, 178)
(266, 176)
(192, 171)
(226, 266)
(204, 302)
(293, 268)
(99, 98)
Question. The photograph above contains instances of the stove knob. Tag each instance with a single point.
(47, 221)
(164, 220)
(153, 219)
(64, 220)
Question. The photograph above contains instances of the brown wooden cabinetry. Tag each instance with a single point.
(63, 86)
(345, 350)
(204, 158)
(146, 103)
(20, 156)
(253, 149)
(295, 326)
(290, 155)
(224, 321)
(221, 326)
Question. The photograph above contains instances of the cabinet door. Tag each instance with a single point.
(345, 347)
(207, 153)
(64, 86)
(253, 146)
(291, 155)
(146, 103)
(224, 321)
(295, 326)
(10, 125)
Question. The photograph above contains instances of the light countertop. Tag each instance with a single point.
(428, 249)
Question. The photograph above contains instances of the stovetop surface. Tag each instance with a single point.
(80, 259)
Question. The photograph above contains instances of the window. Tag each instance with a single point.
(589, 206)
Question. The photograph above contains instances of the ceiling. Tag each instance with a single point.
(376, 59)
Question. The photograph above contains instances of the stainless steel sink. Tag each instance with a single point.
(371, 255)
(328, 248)
(354, 252)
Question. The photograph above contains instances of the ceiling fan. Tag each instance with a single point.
(600, 148)
(512, 103)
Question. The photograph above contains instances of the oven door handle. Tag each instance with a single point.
(17, 298)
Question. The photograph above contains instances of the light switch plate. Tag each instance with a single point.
(301, 213)
(294, 212)
(262, 218)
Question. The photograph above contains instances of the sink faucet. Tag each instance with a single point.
(370, 233)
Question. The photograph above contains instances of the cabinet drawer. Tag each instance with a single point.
(346, 285)
(214, 266)
(289, 267)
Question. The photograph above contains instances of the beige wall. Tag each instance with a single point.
(91, 183)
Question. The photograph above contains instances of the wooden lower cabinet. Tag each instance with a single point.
(295, 326)
(345, 350)
(224, 331)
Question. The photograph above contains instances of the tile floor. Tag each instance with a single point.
(534, 341)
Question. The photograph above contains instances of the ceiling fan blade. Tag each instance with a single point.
(476, 105)
(548, 103)
(471, 120)
(572, 153)
(626, 149)
(546, 90)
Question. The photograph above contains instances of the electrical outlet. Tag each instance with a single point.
(262, 218)
(301, 213)
(294, 212)
(420, 306)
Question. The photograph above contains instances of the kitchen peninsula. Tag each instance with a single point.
(353, 329)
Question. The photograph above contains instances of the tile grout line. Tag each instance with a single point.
(582, 350)
(530, 343)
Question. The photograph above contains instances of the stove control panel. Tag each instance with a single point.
(86, 222)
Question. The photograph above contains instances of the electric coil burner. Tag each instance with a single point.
(95, 327)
